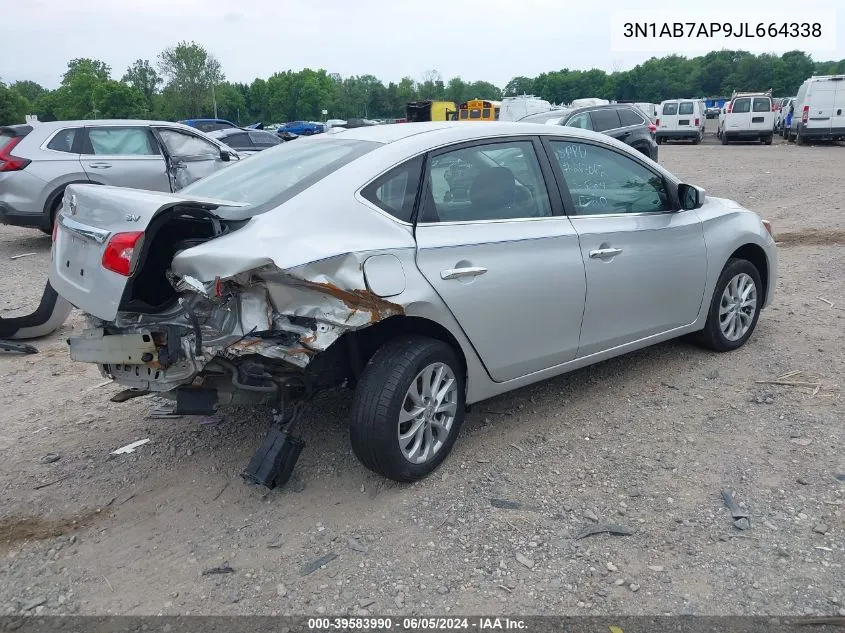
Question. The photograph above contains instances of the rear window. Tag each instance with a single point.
(762, 104)
(670, 108)
(742, 105)
(278, 174)
(686, 108)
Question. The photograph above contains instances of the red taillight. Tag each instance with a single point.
(730, 107)
(697, 122)
(9, 162)
(120, 253)
(55, 228)
(805, 115)
(652, 128)
(657, 122)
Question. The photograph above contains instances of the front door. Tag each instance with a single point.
(645, 263)
(124, 157)
(492, 243)
(190, 157)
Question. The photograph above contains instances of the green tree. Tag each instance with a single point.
(192, 74)
(519, 86)
(75, 97)
(29, 90)
(13, 107)
(116, 100)
(143, 77)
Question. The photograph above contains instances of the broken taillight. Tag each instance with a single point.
(121, 252)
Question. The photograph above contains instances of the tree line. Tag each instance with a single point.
(187, 81)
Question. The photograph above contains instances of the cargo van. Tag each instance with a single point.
(819, 109)
(749, 116)
(650, 110)
(680, 119)
(516, 108)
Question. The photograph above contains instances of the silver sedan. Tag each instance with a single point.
(428, 266)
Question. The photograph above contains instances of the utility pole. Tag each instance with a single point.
(214, 99)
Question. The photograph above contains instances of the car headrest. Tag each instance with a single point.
(494, 186)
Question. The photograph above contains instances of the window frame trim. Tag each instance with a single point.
(77, 141)
(566, 195)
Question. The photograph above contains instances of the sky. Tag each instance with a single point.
(492, 40)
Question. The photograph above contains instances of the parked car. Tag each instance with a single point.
(342, 261)
(820, 109)
(303, 128)
(788, 115)
(622, 121)
(245, 141)
(38, 161)
(681, 119)
(749, 116)
(712, 112)
(781, 115)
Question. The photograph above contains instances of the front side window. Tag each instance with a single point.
(741, 105)
(180, 143)
(496, 181)
(396, 191)
(607, 119)
(63, 141)
(670, 109)
(686, 108)
(762, 104)
(602, 181)
(121, 141)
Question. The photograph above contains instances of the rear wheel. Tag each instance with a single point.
(54, 212)
(767, 140)
(734, 307)
(408, 408)
(724, 139)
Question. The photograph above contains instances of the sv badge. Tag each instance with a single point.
(133, 218)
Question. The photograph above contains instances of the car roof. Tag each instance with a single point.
(55, 125)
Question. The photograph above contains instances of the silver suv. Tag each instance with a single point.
(38, 161)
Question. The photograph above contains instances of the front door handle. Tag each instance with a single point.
(605, 253)
(457, 273)
(100, 165)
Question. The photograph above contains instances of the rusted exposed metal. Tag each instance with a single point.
(359, 299)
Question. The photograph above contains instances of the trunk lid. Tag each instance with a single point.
(94, 217)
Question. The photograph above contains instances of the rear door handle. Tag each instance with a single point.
(100, 165)
(457, 273)
(605, 253)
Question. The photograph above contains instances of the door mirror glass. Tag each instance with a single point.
(691, 197)
(225, 156)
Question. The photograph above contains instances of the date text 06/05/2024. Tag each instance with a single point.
(722, 29)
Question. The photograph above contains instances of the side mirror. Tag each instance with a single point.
(691, 197)
(225, 156)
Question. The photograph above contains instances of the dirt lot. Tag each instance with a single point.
(646, 441)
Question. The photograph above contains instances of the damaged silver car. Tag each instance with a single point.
(347, 259)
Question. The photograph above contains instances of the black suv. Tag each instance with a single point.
(624, 122)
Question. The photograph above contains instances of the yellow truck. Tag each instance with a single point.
(429, 110)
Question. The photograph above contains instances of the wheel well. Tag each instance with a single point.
(57, 193)
(346, 358)
(754, 254)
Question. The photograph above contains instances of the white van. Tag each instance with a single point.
(516, 108)
(819, 109)
(680, 119)
(749, 116)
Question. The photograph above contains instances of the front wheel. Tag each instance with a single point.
(408, 408)
(734, 307)
(767, 140)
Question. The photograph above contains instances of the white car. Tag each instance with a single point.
(749, 116)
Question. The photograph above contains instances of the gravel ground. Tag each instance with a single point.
(646, 442)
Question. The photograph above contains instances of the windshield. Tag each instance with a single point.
(277, 174)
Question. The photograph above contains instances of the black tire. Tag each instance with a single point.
(800, 140)
(767, 140)
(696, 140)
(659, 140)
(712, 336)
(379, 399)
(724, 139)
(54, 211)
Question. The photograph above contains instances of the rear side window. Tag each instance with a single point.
(628, 117)
(686, 107)
(396, 191)
(742, 105)
(264, 138)
(63, 141)
(762, 104)
(605, 119)
(237, 140)
(670, 108)
(120, 141)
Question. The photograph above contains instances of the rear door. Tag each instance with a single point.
(124, 156)
(668, 117)
(821, 97)
(687, 118)
(606, 121)
(189, 156)
(837, 120)
(762, 117)
(738, 118)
